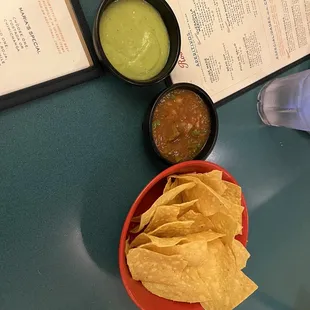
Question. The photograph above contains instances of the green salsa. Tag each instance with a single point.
(134, 38)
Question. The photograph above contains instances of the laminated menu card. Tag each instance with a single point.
(227, 45)
(45, 46)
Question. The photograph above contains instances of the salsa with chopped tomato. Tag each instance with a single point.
(181, 125)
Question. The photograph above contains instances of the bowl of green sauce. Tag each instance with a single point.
(138, 40)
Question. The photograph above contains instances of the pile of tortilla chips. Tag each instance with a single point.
(186, 249)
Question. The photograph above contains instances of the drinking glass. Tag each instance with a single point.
(286, 102)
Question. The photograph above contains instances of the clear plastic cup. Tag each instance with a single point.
(286, 102)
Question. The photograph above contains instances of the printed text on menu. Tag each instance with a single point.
(39, 41)
(229, 44)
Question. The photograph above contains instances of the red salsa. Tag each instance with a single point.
(181, 125)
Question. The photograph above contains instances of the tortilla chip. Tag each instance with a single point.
(166, 214)
(189, 290)
(225, 224)
(241, 254)
(144, 238)
(216, 174)
(239, 289)
(163, 215)
(232, 193)
(145, 265)
(209, 201)
(189, 215)
(136, 219)
(173, 229)
(126, 246)
(186, 206)
(195, 253)
(140, 239)
(162, 200)
(217, 273)
(204, 283)
(210, 179)
(171, 183)
(201, 222)
(235, 211)
(207, 236)
(222, 257)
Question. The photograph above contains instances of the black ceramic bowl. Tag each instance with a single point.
(174, 34)
(209, 144)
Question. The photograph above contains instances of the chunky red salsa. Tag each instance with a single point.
(181, 125)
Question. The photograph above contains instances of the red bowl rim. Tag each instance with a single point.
(169, 171)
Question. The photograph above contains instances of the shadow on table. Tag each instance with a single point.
(304, 134)
(111, 186)
(100, 225)
(279, 231)
(302, 300)
(271, 302)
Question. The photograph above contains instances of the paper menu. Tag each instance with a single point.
(228, 45)
(40, 40)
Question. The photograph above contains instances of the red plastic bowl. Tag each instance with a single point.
(140, 295)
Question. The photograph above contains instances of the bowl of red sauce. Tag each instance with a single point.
(182, 124)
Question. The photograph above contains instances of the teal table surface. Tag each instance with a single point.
(72, 163)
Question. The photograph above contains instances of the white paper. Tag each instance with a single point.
(39, 41)
(229, 44)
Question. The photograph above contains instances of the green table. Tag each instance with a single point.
(72, 164)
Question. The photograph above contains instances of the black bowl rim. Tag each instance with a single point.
(210, 105)
(102, 57)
